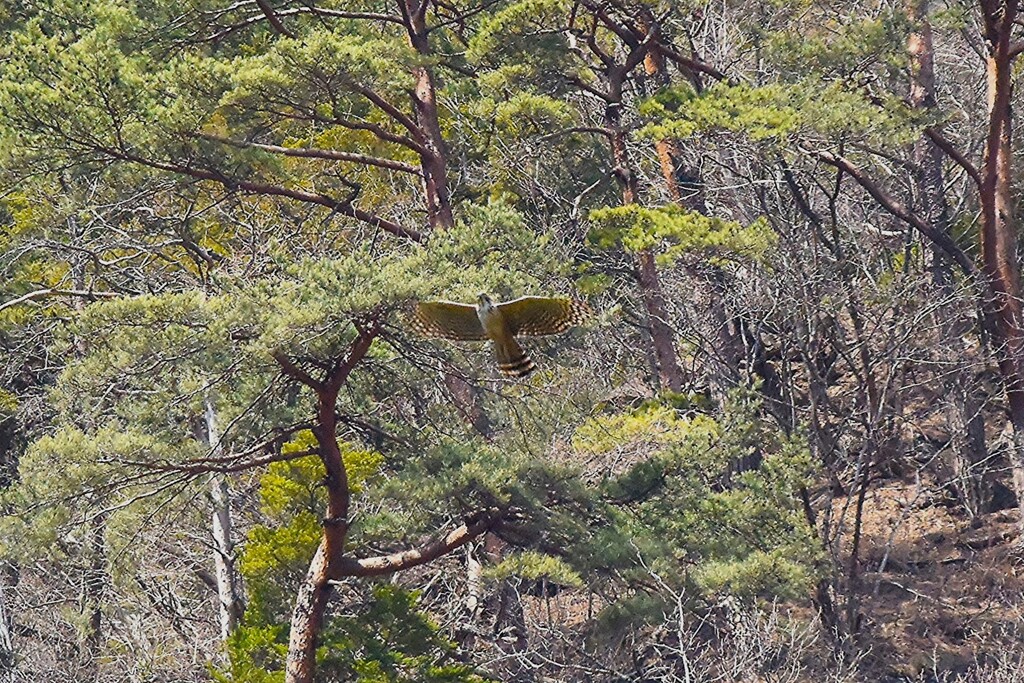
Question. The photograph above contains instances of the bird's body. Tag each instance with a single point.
(512, 359)
(500, 323)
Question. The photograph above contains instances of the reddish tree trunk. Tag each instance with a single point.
(434, 158)
(330, 562)
(311, 602)
(670, 374)
(308, 619)
(998, 232)
(680, 185)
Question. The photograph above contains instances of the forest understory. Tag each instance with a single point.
(452, 341)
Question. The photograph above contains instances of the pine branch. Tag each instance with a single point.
(475, 526)
(275, 21)
(48, 292)
(946, 146)
(289, 368)
(345, 208)
(312, 153)
(691, 63)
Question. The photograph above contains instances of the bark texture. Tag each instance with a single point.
(963, 412)
(998, 229)
(229, 594)
(433, 155)
(663, 338)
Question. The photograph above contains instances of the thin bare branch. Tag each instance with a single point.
(45, 293)
(326, 154)
(890, 204)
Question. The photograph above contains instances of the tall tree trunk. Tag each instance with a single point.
(434, 158)
(228, 592)
(330, 562)
(927, 155)
(95, 578)
(670, 374)
(998, 232)
(95, 581)
(308, 618)
(434, 164)
(315, 592)
(474, 582)
(964, 418)
(7, 660)
(684, 186)
(734, 340)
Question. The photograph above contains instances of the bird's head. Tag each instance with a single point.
(483, 301)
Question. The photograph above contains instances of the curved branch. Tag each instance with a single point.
(275, 21)
(388, 108)
(894, 207)
(595, 130)
(343, 207)
(343, 365)
(206, 465)
(289, 368)
(953, 153)
(378, 131)
(691, 63)
(475, 526)
(317, 11)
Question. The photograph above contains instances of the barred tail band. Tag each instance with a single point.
(520, 367)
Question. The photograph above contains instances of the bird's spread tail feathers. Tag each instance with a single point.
(512, 359)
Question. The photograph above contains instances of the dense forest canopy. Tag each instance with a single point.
(778, 436)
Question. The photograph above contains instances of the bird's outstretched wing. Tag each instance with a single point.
(536, 316)
(447, 319)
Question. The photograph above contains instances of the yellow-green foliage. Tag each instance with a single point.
(762, 113)
(657, 426)
(534, 565)
(774, 113)
(8, 402)
(776, 574)
(67, 478)
(301, 478)
(293, 499)
(504, 30)
(526, 113)
(673, 231)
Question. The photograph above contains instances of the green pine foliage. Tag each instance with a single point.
(780, 115)
(690, 519)
(674, 231)
(154, 158)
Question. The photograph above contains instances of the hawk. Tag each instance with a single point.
(528, 316)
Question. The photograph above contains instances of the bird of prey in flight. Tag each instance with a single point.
(528, 316)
